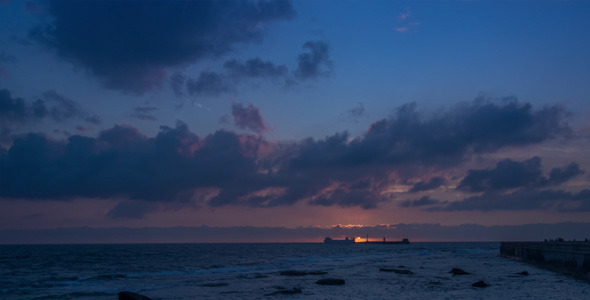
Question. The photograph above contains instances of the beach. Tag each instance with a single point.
(254, 271)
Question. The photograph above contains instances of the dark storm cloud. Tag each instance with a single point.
(406, 138)
(248, 117)
(512, 174)
(431, 184)
(16, 112)
(130, 44)
(406, 142)
(314, 63)
(561, 175)
(14, 109)
(524, 199)
(310, 66)
(121, 162)
(209, 84)
(422, 201)
(507, 174)
(247, 170)
(310, 169)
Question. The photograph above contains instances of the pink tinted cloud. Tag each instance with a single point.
(403, 16)
(248, 117)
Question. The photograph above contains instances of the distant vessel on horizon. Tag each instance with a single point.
(329, 240)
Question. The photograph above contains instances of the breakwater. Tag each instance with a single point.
(565, 256)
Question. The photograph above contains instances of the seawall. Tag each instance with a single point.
(568, 257)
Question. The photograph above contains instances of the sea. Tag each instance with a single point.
(253, 271)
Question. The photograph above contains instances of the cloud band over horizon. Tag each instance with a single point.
(226, 168)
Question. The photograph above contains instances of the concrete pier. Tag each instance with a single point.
(570, 257)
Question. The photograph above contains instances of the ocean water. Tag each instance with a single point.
(252, 271)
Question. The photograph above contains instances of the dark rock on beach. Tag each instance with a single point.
(480, 284)
(214, 284)
(132, 296)
(457, 271)
(330, 281)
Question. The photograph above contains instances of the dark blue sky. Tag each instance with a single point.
(303, 113)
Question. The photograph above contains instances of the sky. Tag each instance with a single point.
(291, 120)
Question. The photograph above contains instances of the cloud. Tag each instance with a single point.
(314, 63)
(431, 184)
(310, 66)
(129, 45)
(7, 58)
(16, 112)
(422, 201)
(254, 68)
(177, 83)
(249, 234)
(561, 175)
(247, 170)
(444, 139)
(121, 162)
(209, 84)
(523, 199)
(14, 109)
(65, 108)
(507, 174)
(356, 113)
(144, 113)
(130, 210)
(512, 174)
(345, 196)
(248, 117)
(404, 23)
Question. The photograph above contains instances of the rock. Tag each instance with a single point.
(285, 291)
(302, 273)
(330, 281)
(214, 284)
(132, 296)
(317, 273)
(397, 271)
(480, 284)
(457, 271)
(293, 273)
